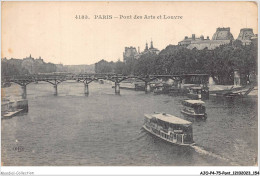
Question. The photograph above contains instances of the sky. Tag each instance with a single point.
(50, 29)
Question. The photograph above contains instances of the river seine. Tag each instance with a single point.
(104, 129)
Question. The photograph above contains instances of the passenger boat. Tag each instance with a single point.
(194, 108)
(7, 84)
(158, 90)
(127, 85)
(195, 93)
(161, 89)
(169, 128)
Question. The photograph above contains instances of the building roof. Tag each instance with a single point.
(168, 118)
(188, 40)
(210, 44)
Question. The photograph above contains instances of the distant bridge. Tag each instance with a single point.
(57, 78)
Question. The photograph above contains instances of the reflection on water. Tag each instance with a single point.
(105, 129)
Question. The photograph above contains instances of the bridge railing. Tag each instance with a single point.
(71, 76)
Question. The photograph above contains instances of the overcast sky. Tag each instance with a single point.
(50, 29)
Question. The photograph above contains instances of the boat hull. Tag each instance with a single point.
(167, 140)
(200, 116)
(194, 96)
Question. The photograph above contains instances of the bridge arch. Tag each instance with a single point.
(56, 79)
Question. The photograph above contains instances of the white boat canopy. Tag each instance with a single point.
(168, 118)
(195, 87)
(194, 101)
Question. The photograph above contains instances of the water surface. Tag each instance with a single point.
(104, 129)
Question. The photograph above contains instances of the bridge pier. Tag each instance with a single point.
(55, 86)
(24, 92)
(86, 91)
(117, 88)
(147, 87)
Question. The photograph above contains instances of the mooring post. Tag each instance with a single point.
(183, 82)
(117, 88)
(55, 89)
(179, 84)
(24, 93)
(147, 87)
(86, 89)
(236, 77)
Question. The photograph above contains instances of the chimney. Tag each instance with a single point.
(193, 36)
(138, 49)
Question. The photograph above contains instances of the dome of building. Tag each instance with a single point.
(245, 34)
(223, 34)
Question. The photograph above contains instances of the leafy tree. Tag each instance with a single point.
(219, 63)
(104, 67)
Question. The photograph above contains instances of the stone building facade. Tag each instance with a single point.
(222, 36)
(246, 36)
(188, 40)
(132, 53)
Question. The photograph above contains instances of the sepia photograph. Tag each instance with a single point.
(116, 83)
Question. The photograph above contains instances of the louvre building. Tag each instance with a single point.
(222, 36)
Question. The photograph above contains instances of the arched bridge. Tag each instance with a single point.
(57, 78)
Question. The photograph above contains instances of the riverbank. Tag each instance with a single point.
(213, 89)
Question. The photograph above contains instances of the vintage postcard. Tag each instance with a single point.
(130, 84)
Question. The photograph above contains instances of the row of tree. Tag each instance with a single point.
(219, 63)
(11, 67)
